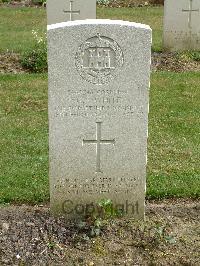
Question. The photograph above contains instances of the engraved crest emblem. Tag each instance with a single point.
(98, 59)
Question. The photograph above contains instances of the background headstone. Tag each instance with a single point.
(182, 25)
(69, 10)
(98, 114)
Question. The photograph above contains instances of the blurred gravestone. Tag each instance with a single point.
(69, 10)
(182, 25)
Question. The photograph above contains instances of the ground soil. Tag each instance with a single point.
(173, 62)
(23, 3)
(10, 63)
(133, 3)
(169, 236)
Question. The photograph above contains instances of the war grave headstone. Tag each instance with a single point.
(181, 25)
(98, 115)
(69, 10)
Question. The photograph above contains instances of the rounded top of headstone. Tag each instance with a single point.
(98, 22)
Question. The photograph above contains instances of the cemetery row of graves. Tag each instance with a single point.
(29, 234)
(173, 119)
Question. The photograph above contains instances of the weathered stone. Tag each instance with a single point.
(182, 25)
(98, 115)
(69, 10)
(5, 227)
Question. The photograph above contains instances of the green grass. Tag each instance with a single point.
(16, 24)
(23, 138)
(174, 144)
(173, 169)
(152, 16)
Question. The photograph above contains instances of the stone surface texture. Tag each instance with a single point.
(98, 114)
(59, 10)
(181, 25)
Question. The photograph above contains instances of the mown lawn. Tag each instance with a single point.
(174, 143)
(16, 24)
(173, 146)
(173, 169)
(152, 16)
(23, 138)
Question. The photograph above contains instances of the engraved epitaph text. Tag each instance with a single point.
(98, 114)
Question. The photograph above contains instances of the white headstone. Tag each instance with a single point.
(98, 114)
(182, 25)
(68, 10)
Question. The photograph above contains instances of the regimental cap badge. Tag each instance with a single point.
(98, 59)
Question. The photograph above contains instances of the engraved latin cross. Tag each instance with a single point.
(98, 142)
(190, 10)
(71, 11)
